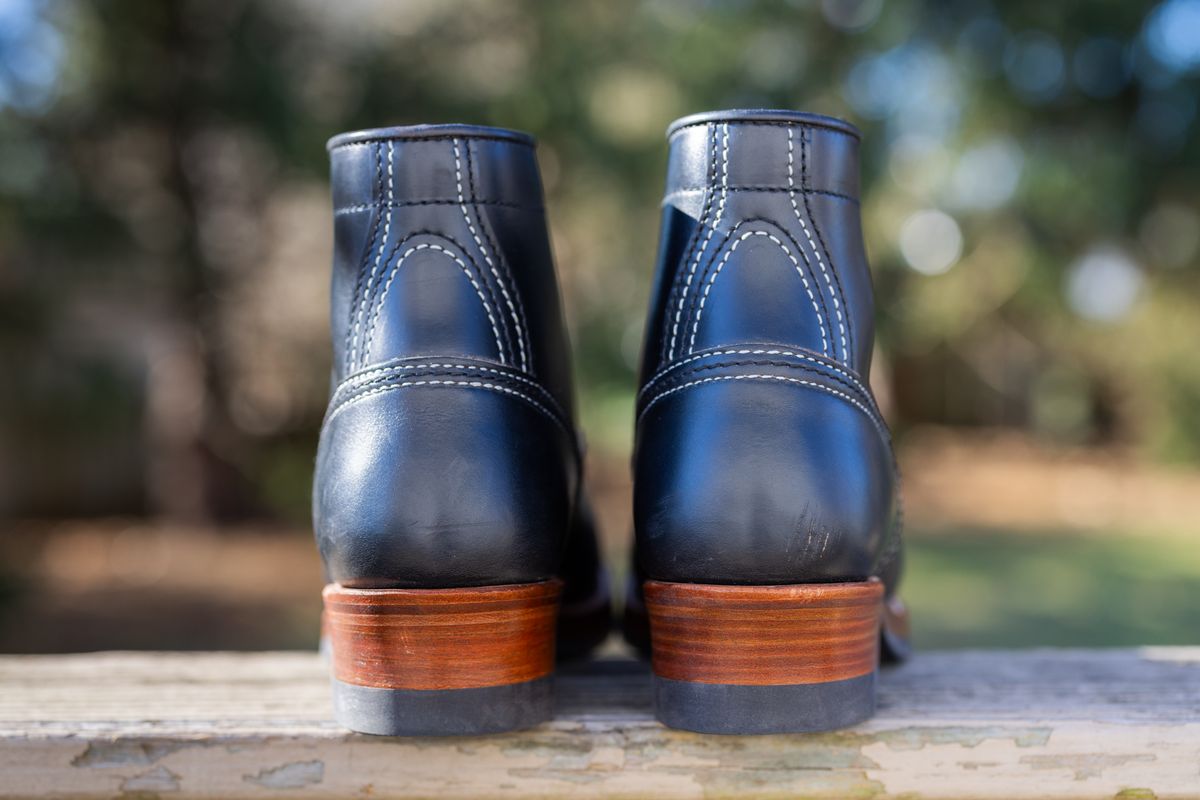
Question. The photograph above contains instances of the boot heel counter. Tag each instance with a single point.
(758, 481)
(429, 482)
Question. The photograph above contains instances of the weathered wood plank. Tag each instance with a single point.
(1061, 724)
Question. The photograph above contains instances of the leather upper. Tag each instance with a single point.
(761, 456)
(449, 454)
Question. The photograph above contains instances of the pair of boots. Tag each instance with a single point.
(448, 497)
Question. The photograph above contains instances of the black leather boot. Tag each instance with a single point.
(765, 499)
(446, 499)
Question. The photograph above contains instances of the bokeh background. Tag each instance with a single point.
(1031, 201)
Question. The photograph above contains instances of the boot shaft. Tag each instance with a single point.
(778, 190)
(441, 250)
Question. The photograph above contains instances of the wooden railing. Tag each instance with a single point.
(1004, 724)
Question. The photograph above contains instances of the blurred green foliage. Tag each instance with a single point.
(980, 588)
(1030, 174)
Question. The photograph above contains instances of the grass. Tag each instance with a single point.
(981, 588)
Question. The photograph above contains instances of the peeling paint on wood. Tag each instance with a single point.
(123, 752)
(295, 775)
(159, 779)
(1032, 724)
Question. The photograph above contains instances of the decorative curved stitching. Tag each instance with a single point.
(761, 188)
(783, 378)
(359, 287)
(432, 374)
(708, 237)
(374, 316)
(367, 289)
(433, 201)
(707, 271)
(360, 379)
(509, 353)
(863, 395)
(804, 182)
(486, 255)
(725, 259)
(837, 306)
(490, 238)
(854, 379)
(788, 235)
(471, 384)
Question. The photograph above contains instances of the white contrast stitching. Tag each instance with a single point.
(837, 306)
(347, 386)
(392, 276)
(762, 187)
(878, 426)
(359, 317)
(487, 257)
(708, 236)
(799, 270)
(743, 352)
(472, 384)
(433, 201)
